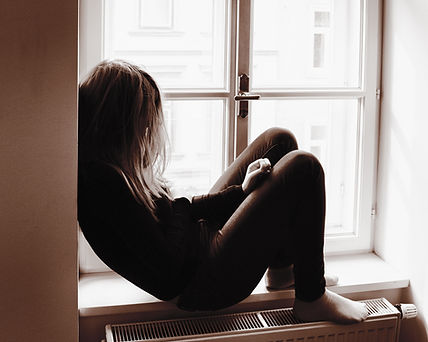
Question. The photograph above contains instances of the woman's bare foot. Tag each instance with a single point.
(282, 278)
(330, 307)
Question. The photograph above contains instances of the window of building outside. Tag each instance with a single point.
(314, 64)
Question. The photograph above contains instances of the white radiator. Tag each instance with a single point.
(280, 325)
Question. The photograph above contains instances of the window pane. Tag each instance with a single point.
(329, 130)
(181, 43)
(195, 130)
(306, 43)
(156, 14)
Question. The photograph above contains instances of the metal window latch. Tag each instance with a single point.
(378, 94)
(244, 96)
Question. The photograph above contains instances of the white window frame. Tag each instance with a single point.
(236, 129)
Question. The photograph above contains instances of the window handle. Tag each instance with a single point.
(244, 96)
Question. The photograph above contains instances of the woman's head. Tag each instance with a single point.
(121, 123)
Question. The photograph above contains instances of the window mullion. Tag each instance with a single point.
(243, 65)
(230, 137)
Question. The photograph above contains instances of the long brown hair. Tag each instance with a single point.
(121, 123)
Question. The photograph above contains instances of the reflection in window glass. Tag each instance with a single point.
(306, 43)
(196, 148)
(328, 129)
(182, 44)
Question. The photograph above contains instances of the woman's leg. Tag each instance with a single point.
(288, 207)
(273, 144)
(285, 212)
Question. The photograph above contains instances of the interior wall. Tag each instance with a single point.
(402, 221)
(38, 165)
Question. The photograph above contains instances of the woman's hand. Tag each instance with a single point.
(255, 172)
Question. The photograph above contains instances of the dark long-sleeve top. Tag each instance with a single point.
(159, 256)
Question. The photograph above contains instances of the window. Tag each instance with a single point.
(156, 14)
(313, 62)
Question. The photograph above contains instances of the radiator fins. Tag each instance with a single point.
(233, 323)
(185, 327)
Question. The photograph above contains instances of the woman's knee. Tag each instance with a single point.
(304, 163)
(280, 136)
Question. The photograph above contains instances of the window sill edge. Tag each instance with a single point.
(109, 294)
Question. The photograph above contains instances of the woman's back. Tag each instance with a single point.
(156, 255)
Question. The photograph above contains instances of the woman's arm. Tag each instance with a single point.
(221, 205)
(218, 206)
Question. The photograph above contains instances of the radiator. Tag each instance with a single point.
(279, 325)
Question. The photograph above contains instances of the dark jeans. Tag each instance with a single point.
(280, 223)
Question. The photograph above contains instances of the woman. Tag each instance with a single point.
(265, 212)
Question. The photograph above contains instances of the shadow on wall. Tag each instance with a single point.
(413, 330)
